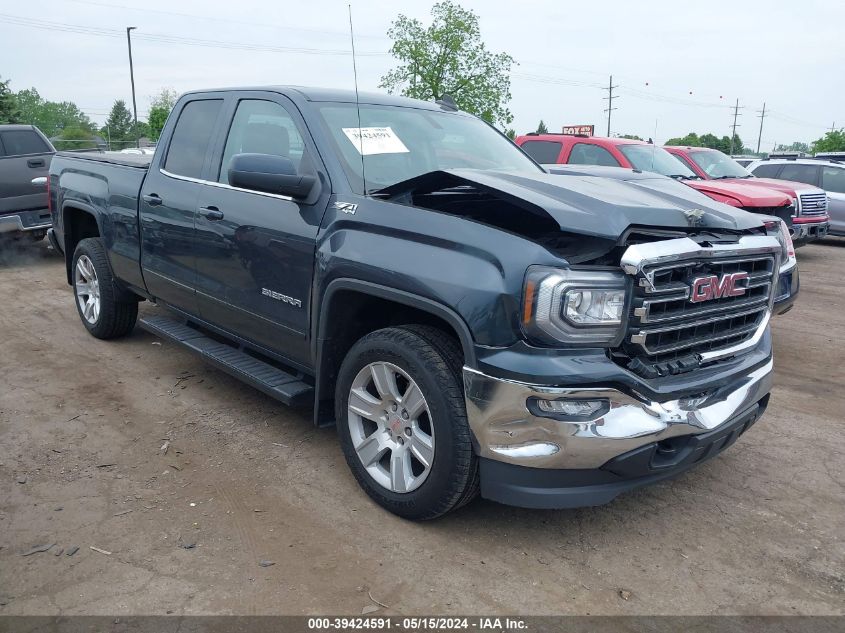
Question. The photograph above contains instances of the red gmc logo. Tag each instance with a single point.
(707, 288)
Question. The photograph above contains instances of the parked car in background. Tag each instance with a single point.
(467, 321)
(744, 160)
(810, 222)
(25, 155)
(686, 197)
(827, 174)
(620, 152)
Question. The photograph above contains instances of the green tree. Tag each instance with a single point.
(797, 146)
(120, 125)
(74, 138)
(160, 107)
(541, 128)
(690, 140)
(510, 133)
(833, 141)
(9, 110)
(449, 58)
(632, 137)
(52, 117)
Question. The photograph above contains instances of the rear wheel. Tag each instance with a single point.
(402, 421)
(101, 314)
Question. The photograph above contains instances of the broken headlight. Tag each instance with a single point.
(574, 306)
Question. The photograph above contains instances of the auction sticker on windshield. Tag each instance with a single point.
(375, 140)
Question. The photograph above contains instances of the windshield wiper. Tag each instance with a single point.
(683, 177)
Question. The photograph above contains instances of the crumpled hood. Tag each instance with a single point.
(591, 205)
(748, 193)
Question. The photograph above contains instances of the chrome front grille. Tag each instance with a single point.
(813, 203)
(668, 332)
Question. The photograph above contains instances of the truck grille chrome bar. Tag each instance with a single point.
(812, 204)
(665, 324)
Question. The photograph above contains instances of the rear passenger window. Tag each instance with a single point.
(20, 142)
(587, 154)
(263, 127)
(192, 137)
(766, 171)
(800, 173)
(833, 179)
(544, 152)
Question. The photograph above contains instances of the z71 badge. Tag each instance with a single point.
(278, 296)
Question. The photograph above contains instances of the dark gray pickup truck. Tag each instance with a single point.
(25, 155)
(466, 320)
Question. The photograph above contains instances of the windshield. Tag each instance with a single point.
(651, 158)
(399, 143)
(717, 165)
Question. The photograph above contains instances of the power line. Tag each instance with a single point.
(197, 16)
(173, 39)
(609, 99)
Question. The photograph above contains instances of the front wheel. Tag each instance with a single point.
(93, 286)
(402, 421)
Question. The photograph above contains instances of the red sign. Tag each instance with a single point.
(580, 130)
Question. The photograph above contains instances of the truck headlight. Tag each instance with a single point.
(573, 306)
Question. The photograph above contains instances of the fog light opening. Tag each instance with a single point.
(569, 409)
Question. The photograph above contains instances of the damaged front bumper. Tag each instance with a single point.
(532, 459)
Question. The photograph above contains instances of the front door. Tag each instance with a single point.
(168, 206)
(254, 250)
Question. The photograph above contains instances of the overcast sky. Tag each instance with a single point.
(680, 66)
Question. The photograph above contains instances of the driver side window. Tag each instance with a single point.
(263, 127)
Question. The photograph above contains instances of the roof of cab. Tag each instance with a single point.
(335, 95)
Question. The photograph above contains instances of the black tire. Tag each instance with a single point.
(116, 318)
(434, 361)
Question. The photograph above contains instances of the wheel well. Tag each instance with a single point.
(78, 224)
(350, 316)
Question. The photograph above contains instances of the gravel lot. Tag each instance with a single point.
(83, 424)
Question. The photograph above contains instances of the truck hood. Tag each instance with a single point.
(588, 205)
(786, 186)
(746, 193)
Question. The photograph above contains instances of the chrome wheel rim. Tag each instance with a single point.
(390, 426)
(87, 288)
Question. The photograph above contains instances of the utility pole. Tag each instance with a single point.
(833, 127)
(609, 98)
(129, 30)
(760, 135)
(734, 126)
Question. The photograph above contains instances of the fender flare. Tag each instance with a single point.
(320, 326)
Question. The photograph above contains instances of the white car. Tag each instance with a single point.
(819, 171)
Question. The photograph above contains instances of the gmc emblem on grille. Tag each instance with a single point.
(707, 288)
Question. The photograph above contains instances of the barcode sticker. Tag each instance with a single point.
(375, 140)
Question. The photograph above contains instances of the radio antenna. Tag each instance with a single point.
(357, 101)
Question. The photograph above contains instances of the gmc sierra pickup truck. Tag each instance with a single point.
(25, 155)
(466, 320)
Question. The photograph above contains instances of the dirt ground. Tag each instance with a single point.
(244, 480)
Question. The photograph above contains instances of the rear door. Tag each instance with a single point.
(800, 172)
(833, 182)
(168, 203)
(255, 255)
(24, 155)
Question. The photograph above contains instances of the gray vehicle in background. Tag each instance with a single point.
(824, 170)
(25, 155)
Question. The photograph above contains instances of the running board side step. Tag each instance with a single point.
(276, 383)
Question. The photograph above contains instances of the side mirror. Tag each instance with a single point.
(270, 174)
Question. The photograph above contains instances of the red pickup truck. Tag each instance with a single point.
(811, 220)
(559, 149)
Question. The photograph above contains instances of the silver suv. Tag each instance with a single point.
(825, 170)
